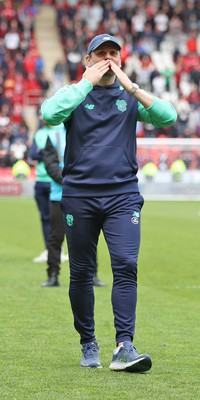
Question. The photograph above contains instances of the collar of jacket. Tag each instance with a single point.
(114, 85)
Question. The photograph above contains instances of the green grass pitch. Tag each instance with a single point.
(40, 351)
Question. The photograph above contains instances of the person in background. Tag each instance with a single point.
(178, 169)
(42, 186)
(21, 170)
(101, 193)
(149, 171)
(53, 160)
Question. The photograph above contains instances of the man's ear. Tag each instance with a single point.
(88, 61)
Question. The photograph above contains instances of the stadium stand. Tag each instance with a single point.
(41, 47)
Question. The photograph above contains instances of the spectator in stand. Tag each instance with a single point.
(8, 11)
(66, 29)
(132, 65)
(195, 75)
(19, 63)
(183, 111)
(5, 141)
(95, 15)
(43, 82)
(3, 28)
(158, 83)
(2, 50)
(12, 38)
(138, 22)
(19, 87)
(5, 64)
(30, 9)
(123, 29)
(73, 59)
(4, 153)
(168, 74)
(5, 114)
(111, 23)
(194, 96)
(17, 113)
(126, 50)
(191, 42)
(22, 132)
(40, 122)
(191, 15)
(39, 65)
(33, 90)
(148, 38)
(30, 62)
(59, 74)
(117, 4)
(144, 71)
(176, 24)
(60, 10)
(161, 21)
(194, 122)
(178, 59)
(24, 45)
(18, 150)
(21, 170)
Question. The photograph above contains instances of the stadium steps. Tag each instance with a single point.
(47, 37)
(50, 49)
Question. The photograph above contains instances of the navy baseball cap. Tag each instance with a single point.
(100, 39)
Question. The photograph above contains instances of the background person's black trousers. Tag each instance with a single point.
(42, 193)
(56, 237)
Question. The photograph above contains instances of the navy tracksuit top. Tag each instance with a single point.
(100, 156)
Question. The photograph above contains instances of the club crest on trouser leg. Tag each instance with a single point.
(70, 219)
(135, 217)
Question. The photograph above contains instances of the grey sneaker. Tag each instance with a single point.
(90, 355)
(126, 358)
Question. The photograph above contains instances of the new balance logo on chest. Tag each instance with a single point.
(89, 106)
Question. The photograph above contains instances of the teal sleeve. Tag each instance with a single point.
(59, 107)
(161, 113)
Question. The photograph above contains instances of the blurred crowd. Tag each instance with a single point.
(160, 42)
(22, 77)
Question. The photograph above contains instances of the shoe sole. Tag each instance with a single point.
(43, 285)
(91, 366)
(141, 364)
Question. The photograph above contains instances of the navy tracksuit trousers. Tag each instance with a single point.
(119, 218)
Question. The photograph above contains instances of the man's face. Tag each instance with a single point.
(107, 51)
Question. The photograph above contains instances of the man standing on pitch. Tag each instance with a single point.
(100, 191)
